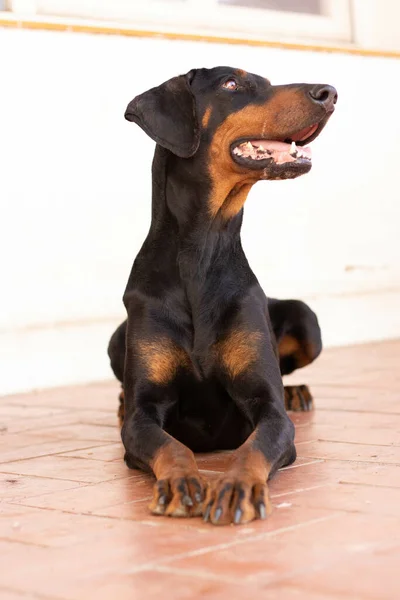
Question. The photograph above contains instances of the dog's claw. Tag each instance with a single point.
(162, 500)
(238, 516)
(198, 497)
(207, 513)
(187, 501)
(217, 515)
(262, 511)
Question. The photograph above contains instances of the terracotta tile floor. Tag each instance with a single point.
(74, 522)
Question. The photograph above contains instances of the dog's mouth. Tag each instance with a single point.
(291, 152)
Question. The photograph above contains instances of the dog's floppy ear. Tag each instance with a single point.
(167, 114)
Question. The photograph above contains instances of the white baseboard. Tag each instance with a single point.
(49, 357)
(348, 319)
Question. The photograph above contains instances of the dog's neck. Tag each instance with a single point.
(182, 193)
(198, 257)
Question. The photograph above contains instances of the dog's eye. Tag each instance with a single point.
(231, 85)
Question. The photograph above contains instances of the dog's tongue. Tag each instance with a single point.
(305, 133)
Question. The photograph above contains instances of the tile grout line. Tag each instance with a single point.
(70, 409)
(82, 513)
(64, 455)
(354, 443)
(358, 411)
(300, 490)
(87, 513)
(300, 571)
(14, 460)
(29, 595)
(368, 485)
(294, 466)
(357, 460)
(198, 574)
(49, 428)
(305, 442)
(83, 482)
(17, 474)
(23, 543)
(225, 545)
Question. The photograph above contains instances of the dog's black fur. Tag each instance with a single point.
(202, 353)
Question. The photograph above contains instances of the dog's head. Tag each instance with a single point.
(247, 128)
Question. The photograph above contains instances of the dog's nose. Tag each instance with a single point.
(326, 95)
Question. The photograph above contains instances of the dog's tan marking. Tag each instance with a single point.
(172, 457)
(162, 359)
(257, 466)
(290, 346)
(173, 465)
(283, 113)
(236, 199)
(206, 117)
(238, 351)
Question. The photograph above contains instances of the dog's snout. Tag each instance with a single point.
(326, 95)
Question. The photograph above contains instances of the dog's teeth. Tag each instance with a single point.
(293, 149)
(249, 146)
(261, 148)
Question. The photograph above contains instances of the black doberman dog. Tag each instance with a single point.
(202, 353)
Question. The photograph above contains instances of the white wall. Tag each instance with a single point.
(75, 195)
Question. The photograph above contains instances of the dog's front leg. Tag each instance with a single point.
(149, 393)
(179, 490)
(250, 371)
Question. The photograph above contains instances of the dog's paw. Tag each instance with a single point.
(180, 495)
(298, 398)
(236, 498)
